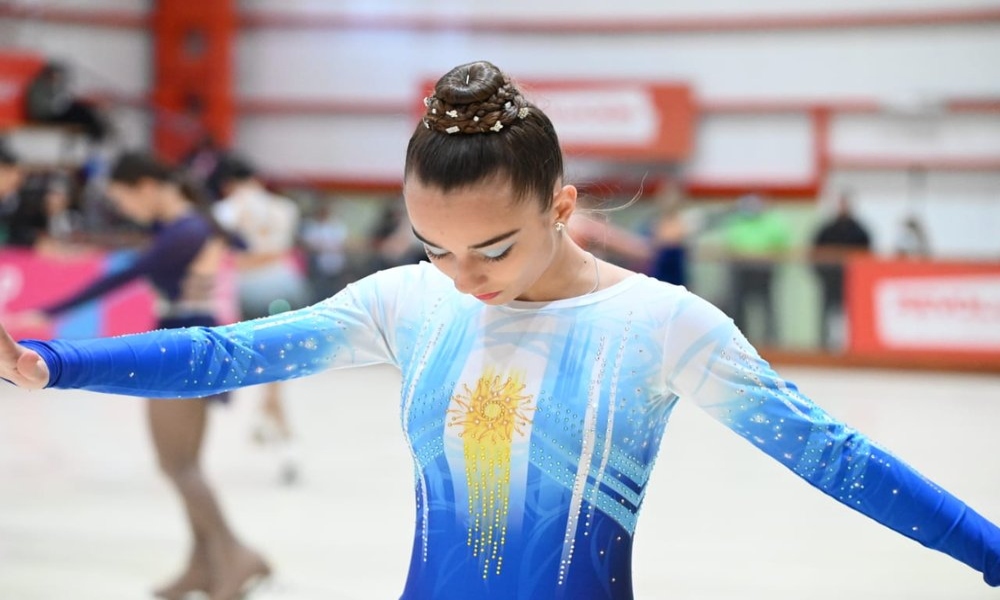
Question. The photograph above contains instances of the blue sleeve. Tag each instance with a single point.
(201, 361)
(714, 365)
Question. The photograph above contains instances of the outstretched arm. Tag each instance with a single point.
(172, 251)
(21, 366)
(717, 368)
(354, 328)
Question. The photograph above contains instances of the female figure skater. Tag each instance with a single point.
(536, 380)
(181, 263)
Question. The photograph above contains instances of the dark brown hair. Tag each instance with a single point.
(478, 125)
(132, 167)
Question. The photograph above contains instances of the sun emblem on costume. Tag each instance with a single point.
(489, 416)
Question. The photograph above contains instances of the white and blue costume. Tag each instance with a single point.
(534, 426)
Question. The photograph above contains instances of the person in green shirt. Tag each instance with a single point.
(755, 237)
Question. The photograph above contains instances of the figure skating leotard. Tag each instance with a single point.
(534, 426)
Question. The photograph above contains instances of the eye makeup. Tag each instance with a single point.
(491, 255)
(434, 253)
(498, 253)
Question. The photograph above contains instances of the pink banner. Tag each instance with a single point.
(29, 280)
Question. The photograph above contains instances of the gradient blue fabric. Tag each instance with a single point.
(534, 427)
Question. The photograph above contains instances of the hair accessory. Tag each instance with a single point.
(497, 126)
(434, 111)
(453, 129)
(427, 100)
(523, 112)
(452, 113)
(507, 104)
(475, 119)
(426, 124)
(560, 226)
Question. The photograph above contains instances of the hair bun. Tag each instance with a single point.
(470, 83)
(474, 98)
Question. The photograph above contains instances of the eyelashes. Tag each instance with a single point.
(490, 256)
(497, 254)
(434, 255)
(497, 257)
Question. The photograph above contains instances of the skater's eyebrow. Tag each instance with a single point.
(489, 242)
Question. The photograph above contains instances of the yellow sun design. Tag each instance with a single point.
(489, 416)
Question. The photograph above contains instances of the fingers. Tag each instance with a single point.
(22, 367)
(8, 347)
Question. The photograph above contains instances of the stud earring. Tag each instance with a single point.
(560, 226)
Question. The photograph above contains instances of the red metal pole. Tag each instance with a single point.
(193, 73)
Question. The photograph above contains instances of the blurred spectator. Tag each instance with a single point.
(10, 182)
(324, 237)
(62, 220)
(202, 163)
(913, 240)
(22, 216)
(669, 233)
(269, 280)
(50, 100)
(755, 238)
(835, 240)
(392, 239)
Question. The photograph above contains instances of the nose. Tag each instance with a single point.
(469, 277)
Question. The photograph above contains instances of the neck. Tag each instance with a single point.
(173, 206)
(574, 272)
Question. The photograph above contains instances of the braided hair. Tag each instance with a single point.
(478, 125)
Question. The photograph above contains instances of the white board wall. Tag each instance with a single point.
(396, 45)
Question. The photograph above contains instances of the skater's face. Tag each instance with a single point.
(494, 246)
(137, 202)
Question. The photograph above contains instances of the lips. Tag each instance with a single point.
(485, 297)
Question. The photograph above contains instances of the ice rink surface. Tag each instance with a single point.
(85, 516)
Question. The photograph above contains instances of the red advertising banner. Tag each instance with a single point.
(927, 309)
(16, 71)
(29, 280)
(609, 119)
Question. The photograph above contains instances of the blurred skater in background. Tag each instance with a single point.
(181, 262)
